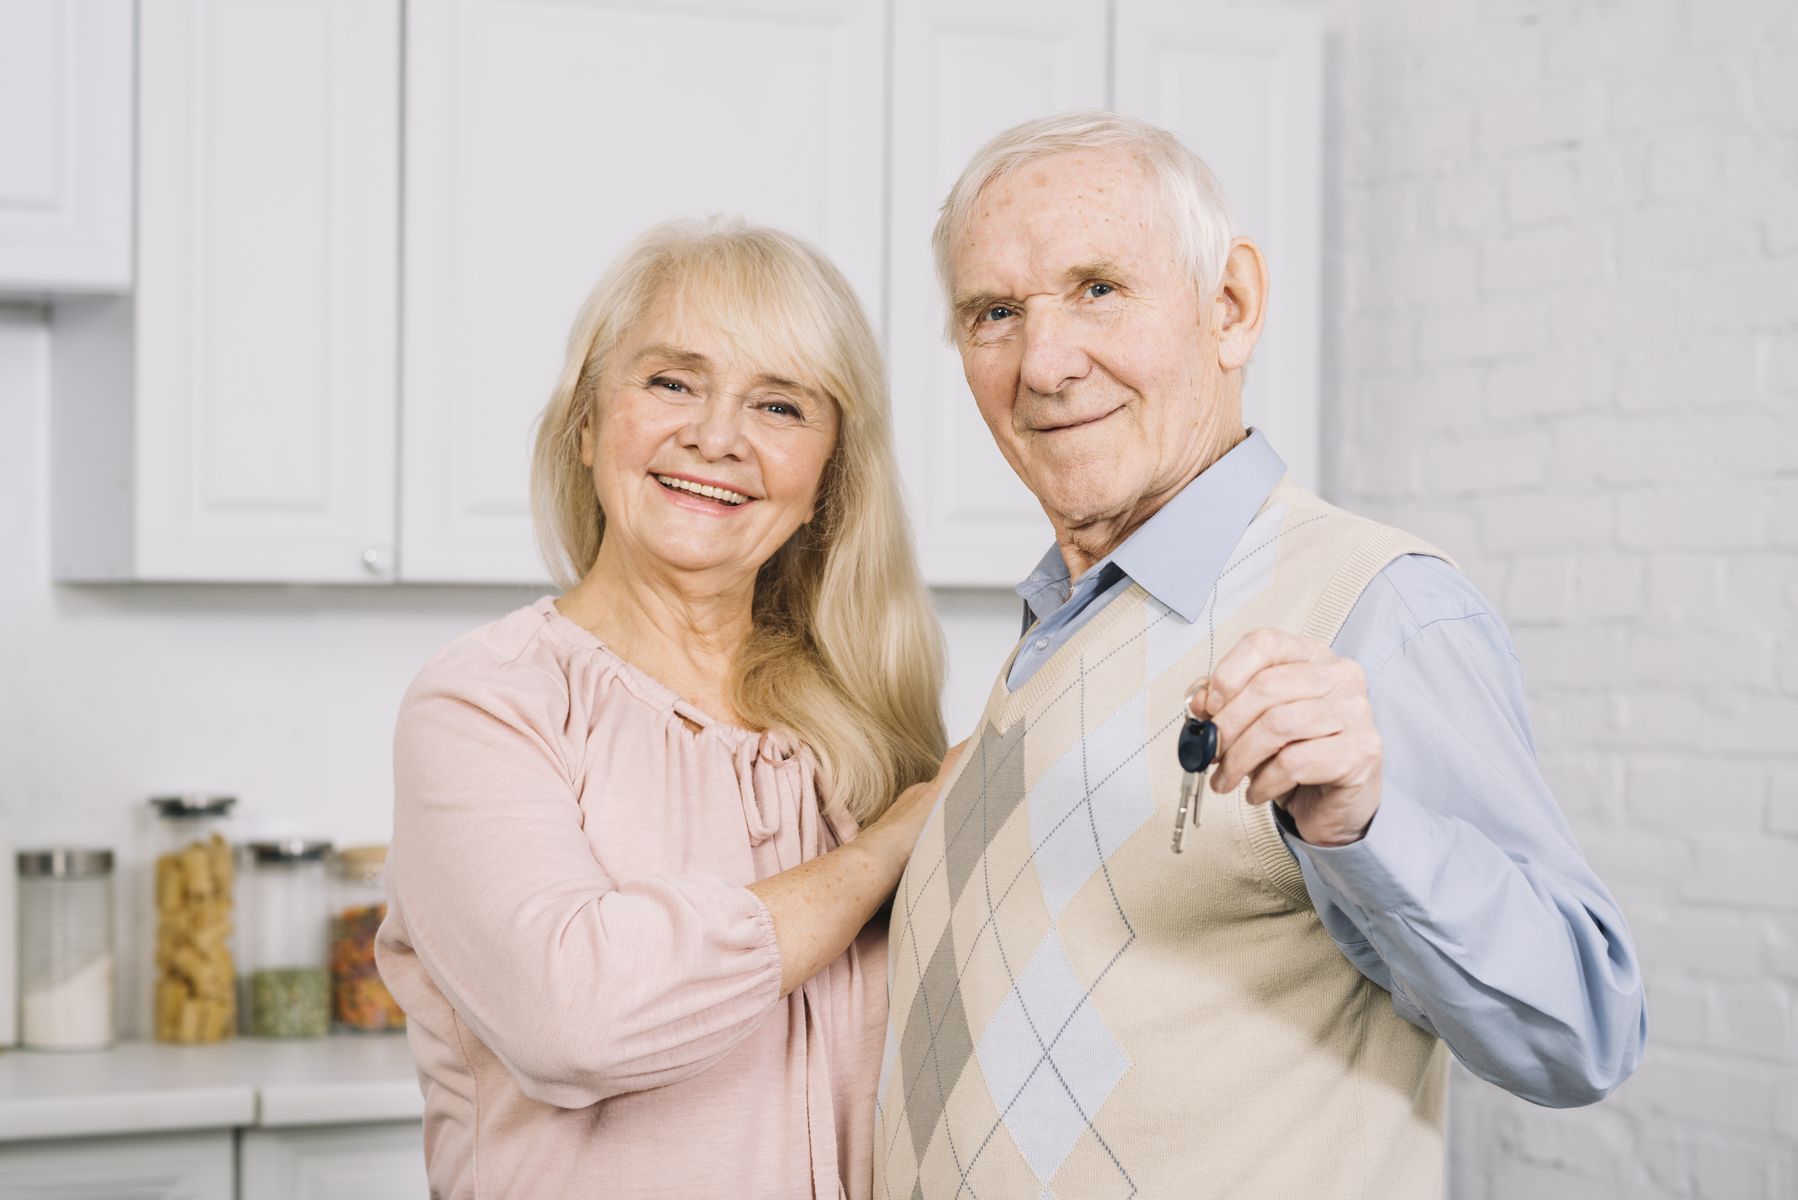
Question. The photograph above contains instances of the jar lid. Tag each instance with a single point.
(361, 862)
(192, 804)
(64, 863)
(289, 850)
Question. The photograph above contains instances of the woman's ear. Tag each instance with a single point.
(1241, 304)
(587, 439)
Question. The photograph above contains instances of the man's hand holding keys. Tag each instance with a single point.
(1294, 720)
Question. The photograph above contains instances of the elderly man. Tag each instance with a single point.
(1378, 868)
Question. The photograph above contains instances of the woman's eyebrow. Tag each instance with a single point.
(674, 356)
(780, 382)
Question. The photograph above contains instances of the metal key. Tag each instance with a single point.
(1197, 747)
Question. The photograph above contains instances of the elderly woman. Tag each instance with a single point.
(640, 829)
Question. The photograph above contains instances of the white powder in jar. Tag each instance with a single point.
(66, 963)
(71, 1013)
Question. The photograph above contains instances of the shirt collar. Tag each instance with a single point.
(1179, 552)
(1045, 589)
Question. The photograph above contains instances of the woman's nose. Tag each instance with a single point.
(717, 428)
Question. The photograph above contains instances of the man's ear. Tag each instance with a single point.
(1240, 304)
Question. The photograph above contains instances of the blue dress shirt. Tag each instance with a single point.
(1468, 899)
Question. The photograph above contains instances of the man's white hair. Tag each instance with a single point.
(1192, 203)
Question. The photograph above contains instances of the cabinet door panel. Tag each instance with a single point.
(267, 308)
(65, 145)
(962, 73)
(541, 138)
(373, 1162)
(1242, 88)
(164, 1166)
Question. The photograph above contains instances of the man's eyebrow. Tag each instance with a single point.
(1095, 268)
(674, 356)
(975, 302)
(1092, 268)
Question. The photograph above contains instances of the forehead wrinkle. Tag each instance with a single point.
(1097, 194)
(1027, 244)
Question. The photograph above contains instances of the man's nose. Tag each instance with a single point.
(1053, 355)
(717, 428)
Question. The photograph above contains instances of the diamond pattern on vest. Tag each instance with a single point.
(1049, 1060)
(1022, 980)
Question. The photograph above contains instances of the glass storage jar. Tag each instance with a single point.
(9, 945)
(66, 967)
(359, 999)
(286, 982)
(194, 975)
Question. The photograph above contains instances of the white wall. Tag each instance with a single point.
(284, 696)
(1564, 326)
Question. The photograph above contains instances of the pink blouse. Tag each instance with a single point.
(592, 993)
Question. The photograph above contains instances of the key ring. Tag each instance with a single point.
(1195, 748)
(1191, 694)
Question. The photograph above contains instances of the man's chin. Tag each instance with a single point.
(1079, 507)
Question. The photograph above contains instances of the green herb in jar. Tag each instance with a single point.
(290, 1002)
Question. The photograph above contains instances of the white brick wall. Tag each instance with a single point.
(1564, 323)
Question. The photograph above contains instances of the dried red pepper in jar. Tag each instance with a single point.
(359, 999)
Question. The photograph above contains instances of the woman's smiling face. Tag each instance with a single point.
(706, 456)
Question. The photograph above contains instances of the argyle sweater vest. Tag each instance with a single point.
(1079, 1012)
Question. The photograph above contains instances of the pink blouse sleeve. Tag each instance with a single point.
(583, 988)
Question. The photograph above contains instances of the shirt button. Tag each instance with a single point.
(1042, 644)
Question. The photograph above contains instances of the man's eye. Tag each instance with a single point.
(997, 312)
(1096, 290)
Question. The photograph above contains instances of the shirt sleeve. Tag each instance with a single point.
(1468, 899)
(584, 988)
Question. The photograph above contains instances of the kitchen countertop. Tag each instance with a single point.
(146, 1087)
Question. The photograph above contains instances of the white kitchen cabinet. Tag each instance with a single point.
(961, 73)
(164, 1166)
(369, 1162)
(383, 1161)
(539, 139)
(1242, 87)
(378, 1161)
(274, 397)
(65, 146)
(233, 418)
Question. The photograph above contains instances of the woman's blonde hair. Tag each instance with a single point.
(845, 650)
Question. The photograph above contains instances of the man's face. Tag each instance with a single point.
(1091, 358)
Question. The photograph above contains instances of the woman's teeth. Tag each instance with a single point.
(722, 495)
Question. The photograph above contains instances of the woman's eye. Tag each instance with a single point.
(662, 381)
(1096, 290)
(782, 408)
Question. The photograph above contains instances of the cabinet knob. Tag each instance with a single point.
(378, 560)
